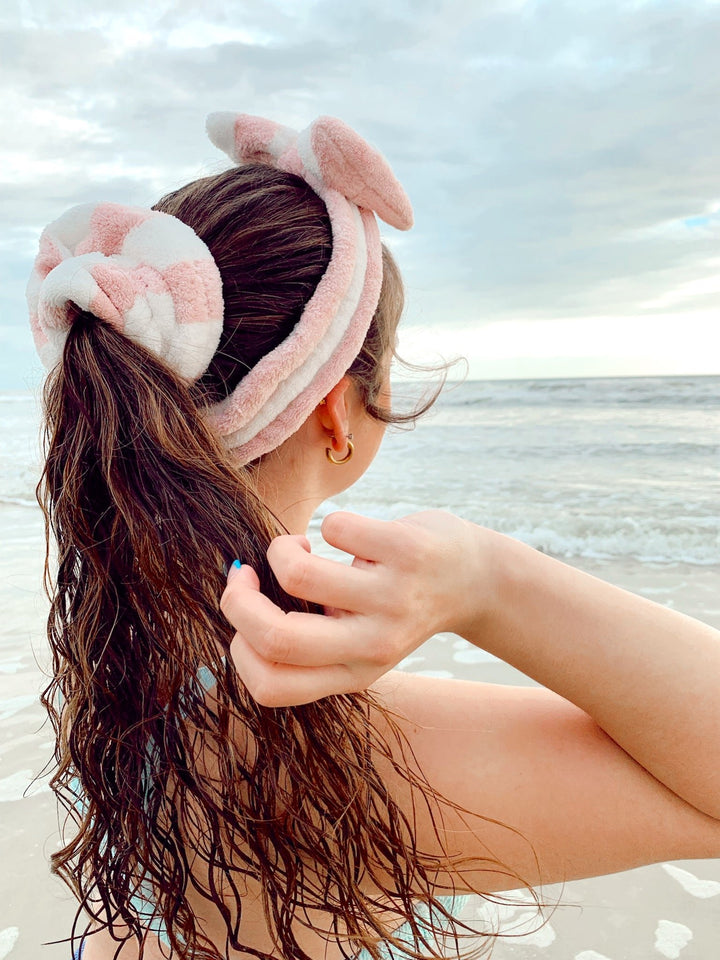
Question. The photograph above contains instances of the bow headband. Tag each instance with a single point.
(153, 278)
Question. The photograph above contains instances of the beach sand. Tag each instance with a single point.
(658, 911)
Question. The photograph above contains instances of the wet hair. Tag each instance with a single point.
(179, 788)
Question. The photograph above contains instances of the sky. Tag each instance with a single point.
(562, 158)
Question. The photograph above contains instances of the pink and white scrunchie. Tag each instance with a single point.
(146, 273)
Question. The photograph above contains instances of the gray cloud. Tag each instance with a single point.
(552, 149)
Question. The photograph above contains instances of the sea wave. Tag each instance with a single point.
(19, 502)
(658, 548)
(690, 540)
(660, 392)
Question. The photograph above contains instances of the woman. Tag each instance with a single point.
(220, 367)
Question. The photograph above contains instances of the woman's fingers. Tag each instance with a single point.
(317, 580)
(361, 537)
(302, 639)
(284, 685)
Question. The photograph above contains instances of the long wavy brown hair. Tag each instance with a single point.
(178, 786)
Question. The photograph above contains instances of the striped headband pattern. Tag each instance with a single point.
(146, 273)
(354, 181)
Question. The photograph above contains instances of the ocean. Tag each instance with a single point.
(599, 469)
(620, 476)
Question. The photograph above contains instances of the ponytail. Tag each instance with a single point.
(162, 755)
(145, 512)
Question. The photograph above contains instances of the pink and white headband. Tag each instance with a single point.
(151, 276)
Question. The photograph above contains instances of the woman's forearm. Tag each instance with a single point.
(650, 677)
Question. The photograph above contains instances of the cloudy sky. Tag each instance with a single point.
(563, 158)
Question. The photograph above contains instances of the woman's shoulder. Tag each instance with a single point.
(541, 784)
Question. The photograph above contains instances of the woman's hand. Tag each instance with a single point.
(647, 675)
(409, 579)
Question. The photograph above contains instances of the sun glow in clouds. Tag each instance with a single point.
(573, 347)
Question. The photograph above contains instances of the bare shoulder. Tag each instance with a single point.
(550, 794)
(101, 945)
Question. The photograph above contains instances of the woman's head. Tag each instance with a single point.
(293, 246)
(271, 238)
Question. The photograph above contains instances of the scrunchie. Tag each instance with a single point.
(147, 273)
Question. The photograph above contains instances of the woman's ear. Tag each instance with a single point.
(333, 414)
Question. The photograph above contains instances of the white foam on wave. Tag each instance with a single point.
(590, 955)
(20, 502)
(533, 936)
(695, 886)
(8, 939)
(671, 938)
(648, 546)
(13, 705)
(410, 662)
(11, 666)
(20, 785)
(465, 652)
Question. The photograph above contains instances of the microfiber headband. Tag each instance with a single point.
(152, 277)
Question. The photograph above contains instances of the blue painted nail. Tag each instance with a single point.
(237, 564)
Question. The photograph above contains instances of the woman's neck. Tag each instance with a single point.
(295, 516)
(290, 489)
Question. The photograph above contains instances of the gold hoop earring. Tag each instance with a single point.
(348, 455)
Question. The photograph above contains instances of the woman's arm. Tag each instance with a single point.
(649, 677)
(577, 804)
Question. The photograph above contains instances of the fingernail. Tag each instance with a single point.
(236, 564)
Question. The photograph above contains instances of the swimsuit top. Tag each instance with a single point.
(453, 904)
